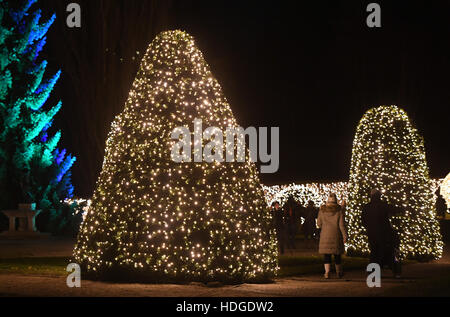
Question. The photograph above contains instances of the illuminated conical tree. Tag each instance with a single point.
(389, 154)
(154, 219)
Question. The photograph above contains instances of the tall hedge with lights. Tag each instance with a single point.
(157, 220)
(32, 168)
(389, 154)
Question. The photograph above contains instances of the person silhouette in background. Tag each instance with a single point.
(441, 206)
(279, 224)
(291, 216)
(309, 226)
(383, 239)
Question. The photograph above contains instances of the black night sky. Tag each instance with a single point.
(311, 69)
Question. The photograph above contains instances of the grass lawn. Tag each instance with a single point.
(35, 266)
(290, 265)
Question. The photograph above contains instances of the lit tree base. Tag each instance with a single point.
(132, 275)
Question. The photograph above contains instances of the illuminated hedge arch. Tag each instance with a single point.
(300, 193)
(303, 193)
(389, 154)
(157, 220)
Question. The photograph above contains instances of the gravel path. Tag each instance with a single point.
(353, 285)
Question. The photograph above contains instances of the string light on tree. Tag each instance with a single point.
(389, 154)
(157, 219)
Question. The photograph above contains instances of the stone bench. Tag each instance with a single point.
(26, 214)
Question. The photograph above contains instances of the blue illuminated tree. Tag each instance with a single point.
(32, 168)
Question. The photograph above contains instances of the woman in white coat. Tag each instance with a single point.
(333, 235)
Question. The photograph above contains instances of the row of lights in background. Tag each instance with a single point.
(319, 192)
(304, 193)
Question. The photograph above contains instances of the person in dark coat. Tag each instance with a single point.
(441, 206)
(279, 224)
(309, 226)
(292, 223)
(383, 239)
